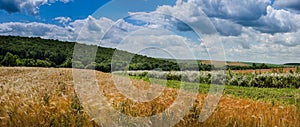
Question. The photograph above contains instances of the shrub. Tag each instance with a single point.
(42, 63)
(267, 80)
(9, 59)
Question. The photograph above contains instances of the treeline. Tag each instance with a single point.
(38, 52)
(253, 66)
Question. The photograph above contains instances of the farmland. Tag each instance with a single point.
(274, 70)
(32, 96)
(46, 97)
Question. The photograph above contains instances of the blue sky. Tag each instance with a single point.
(250, 30)
(77, 9)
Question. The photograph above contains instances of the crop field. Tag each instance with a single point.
(46, 97)
(283, 70)
(227, 63)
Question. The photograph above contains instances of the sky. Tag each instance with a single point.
(265, 31)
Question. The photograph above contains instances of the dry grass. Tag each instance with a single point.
(39, 97)
(45, 97)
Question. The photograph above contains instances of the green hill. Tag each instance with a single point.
(38, 52)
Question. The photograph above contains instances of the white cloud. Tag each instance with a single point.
(91, 30)
(190, 14)
(250, 30)
(26, 6)
(64, 1)
(278, 21)
(287, 4)
(253, 45)
(63, 20)
(229, 16)
(166, 44)
(233, 9)
(30, 29)
(226, 27)
(88, 30)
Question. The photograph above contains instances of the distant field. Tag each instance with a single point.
(46, 97)
(227, 63)
(237, 64)
(275, 70)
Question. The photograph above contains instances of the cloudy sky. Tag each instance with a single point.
(250, 30)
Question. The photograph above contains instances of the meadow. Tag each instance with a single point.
(46, 97)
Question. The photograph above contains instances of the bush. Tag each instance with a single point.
(266, 80)
(67, 63)
(29, 62)
(9, 59)
(103, 67)
(42, 63)
(20, 62)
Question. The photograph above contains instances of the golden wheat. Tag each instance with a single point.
(46, 97)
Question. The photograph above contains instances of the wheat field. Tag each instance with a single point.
(46, 97)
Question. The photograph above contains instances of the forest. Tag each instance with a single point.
(38, 52)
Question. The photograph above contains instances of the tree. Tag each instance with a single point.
(9, 59)
(42, 63)
(20, 62)
(67, 63)
(254, 66)
(29, 62)
(103, 67)
(264, 66)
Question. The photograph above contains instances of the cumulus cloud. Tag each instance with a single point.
(64, 1)
(88, 30)
(229, 16)
(278, 21)
(252, 45)
(233, 9)
(287, 4)
(91, 30)
(264, 53)
(165, 43)
(63, 20)
(227, 27)
(26, 6)
(156, 32)
(190, 14)
(17, 28)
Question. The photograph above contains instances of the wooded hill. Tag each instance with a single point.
(38, 52)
